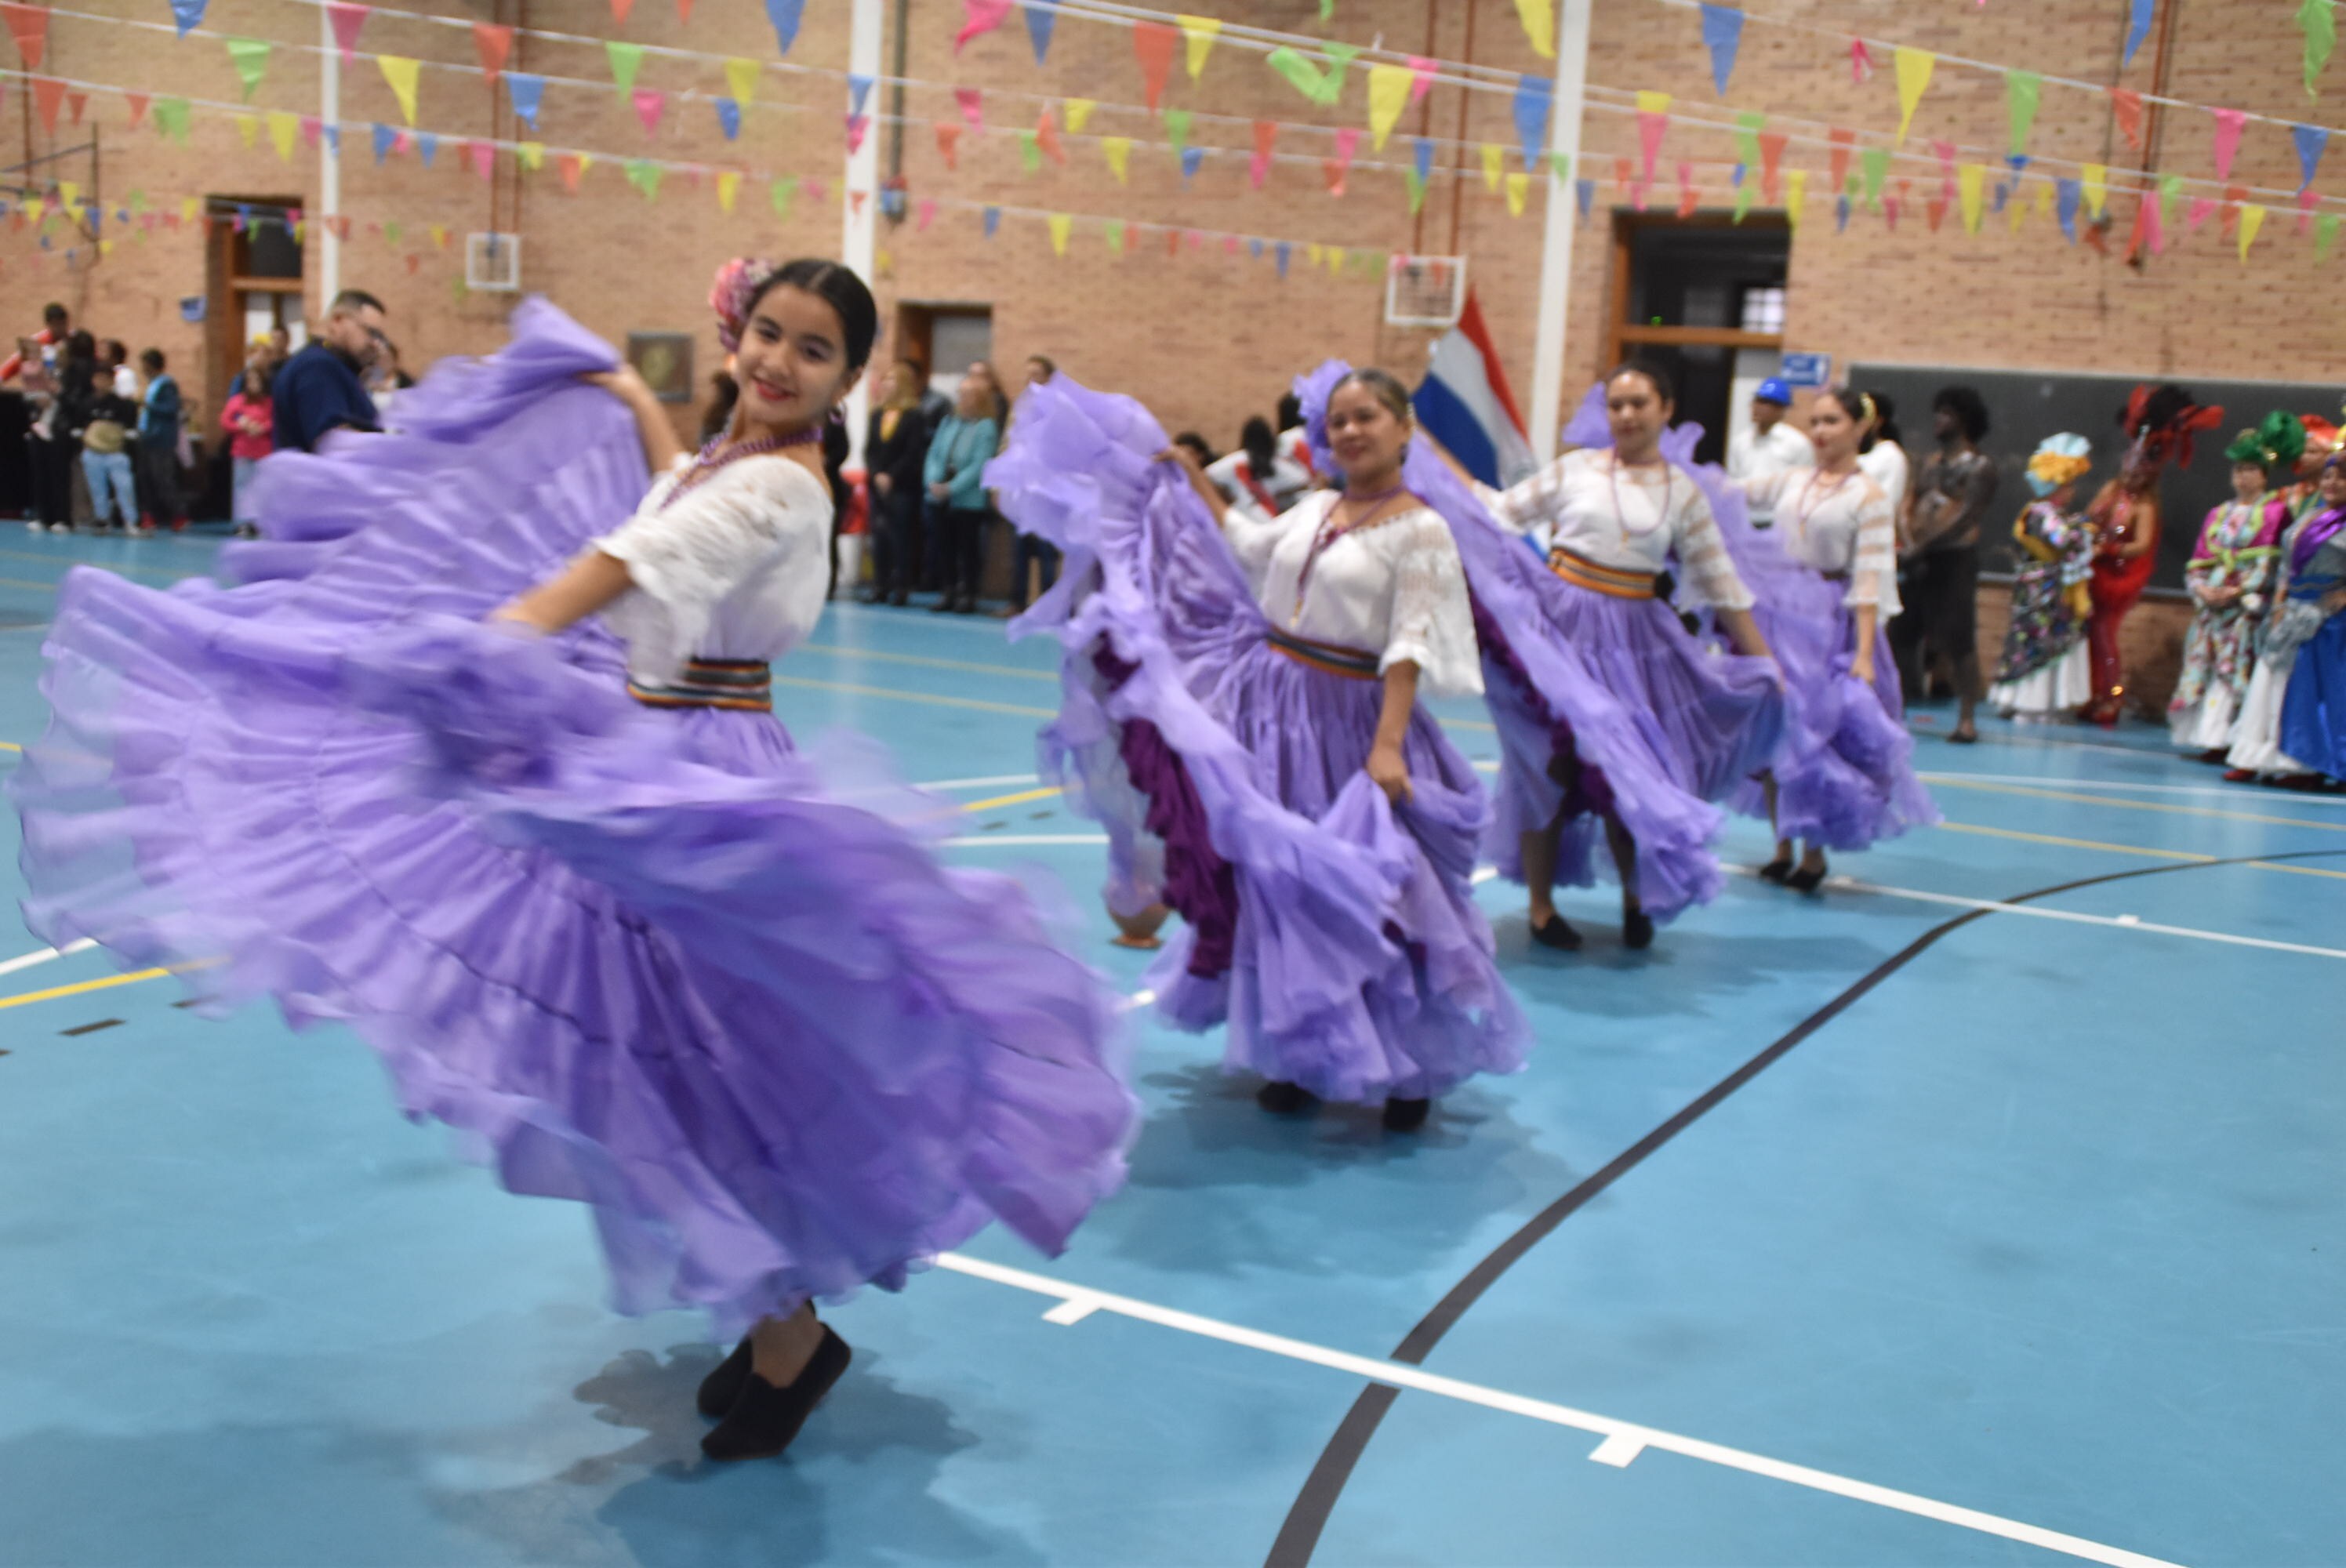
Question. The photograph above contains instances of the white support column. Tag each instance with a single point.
(860, 241)
(1563, 217)
(329, 169)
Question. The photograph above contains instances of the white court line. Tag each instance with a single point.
(45, 954)
(1028, 839)
(2227, 792)
(2122, 923)
(1623, 1441)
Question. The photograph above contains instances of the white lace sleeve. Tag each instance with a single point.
(1873, 566)
(1433, 622)
(1710, 570)
(1528, 503)
(685, 559)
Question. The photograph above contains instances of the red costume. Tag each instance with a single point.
(2161, 421)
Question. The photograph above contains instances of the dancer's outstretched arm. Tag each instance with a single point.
(595, 579)
(1181, 457)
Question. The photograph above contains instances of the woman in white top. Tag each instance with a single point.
(1620, 716)
(1843, 774)
(1882, 455)
(1256, 479)
(562, 870)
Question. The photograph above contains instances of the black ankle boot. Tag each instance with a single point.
(1637, 928)
(1557, 934)
(1406, 1116)
(765, 1418)
(1281, 1099)
(722, 1387)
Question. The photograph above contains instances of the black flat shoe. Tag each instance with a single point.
(765, 1418)
(1963, 736)
(722, 1387)
(1776, 870)
(1808, 881)
(1637, 928)
(1559, 935)
(1281, 1099)
(1406, 1116)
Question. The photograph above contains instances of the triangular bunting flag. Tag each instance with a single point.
(1914, 69)
(2252, 220)
(347, 19)
(1653, 121)
(729, 189)
(1722, 34)
(532, 155)
(1266, 132)
(781, 194)
(1389, 94)
(645, 176)
(729, 119)
(651, 104)
(978, 17)
(483, 155)
(993, 222)
(2310, 141)
(1117, 151)
(2128, 106)
(624, 60)
(970, 102)
(784, 16)
(2094, 178)
(401, 73)
(1040, 17)
(1494, 162)
(2021, 91)
(29, 26)
(284, 131)
(189, 15)
(1534, 96)
(1059, 223)
(1152, 46)
(2228, 123)
(493, 44)
(2319, 22)
(1519, 190)
(1197, 33)
(1079, 113)
(137, 103)
(858, 90)
(250, 58)
(1047, 137)
(1970, 181)
(1177, 129)
(525, 92)
(1538, 18)
(949, 144)
(385, 138)
(742, 79)
(2137, 27)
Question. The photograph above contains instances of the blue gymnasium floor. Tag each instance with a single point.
(2023, 1246)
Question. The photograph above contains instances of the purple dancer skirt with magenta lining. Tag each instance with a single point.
(1606, 708)
(1334, 933)
(650, 960)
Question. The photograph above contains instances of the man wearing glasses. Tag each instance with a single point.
(321, 389)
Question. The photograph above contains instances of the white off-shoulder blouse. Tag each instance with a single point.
(738, 568)
(1631, 519)
(1396, 589)
(1842, 529)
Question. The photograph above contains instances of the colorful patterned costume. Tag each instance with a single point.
(2043, 671)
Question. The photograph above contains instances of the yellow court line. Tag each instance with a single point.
(1018, 799)
(106, 984)
(1943, 782)
(2191, 856)
(969, 702)
(10, 746)
(927, 663)
(27, 583)
(126, 570)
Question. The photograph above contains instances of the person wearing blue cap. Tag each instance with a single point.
(1768, 445)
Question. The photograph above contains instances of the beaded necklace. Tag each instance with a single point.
(1328, 532)
(1810, 500)
(1613, 477)
(710, 461)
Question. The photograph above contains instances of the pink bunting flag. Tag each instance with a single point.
(1944, 151)
(980, 16)
(970, 102)
(347, 19)
(1420, 77)
(312, 127)
(138, 102)
(2203, 207)
(817, 190)
(1651, 128)
(928, 215)
(1266, 132)
(1860, 61)
(2227, 142)
(401, 142)
(1347, 139)
(858, 126)
(650, 104)
(855, 199)
(2306, 201)
(483, 157)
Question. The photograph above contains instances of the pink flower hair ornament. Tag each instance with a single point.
(736, 283)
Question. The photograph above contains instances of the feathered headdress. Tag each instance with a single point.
(2160, 422)
(2280, 438)
(736, 283)
(2061, 459)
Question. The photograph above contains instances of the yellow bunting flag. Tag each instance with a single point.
(1336, 259)
(283, 128)
(1079, 113)
(742, 79)
(1971, 181)
(1117, 151)
(439, 235)
(401, 73)
(729, 185)
(1494, 159)
(1539, 26)
(248, 127)
(1060, 226)
(532, 155)
(1519, 189)
(2016, 210)
(2096, 177)
(1796, 195)
(189, 207)
(69, 191)
(1388, 96)
(33, 207)
(1913, 66)
(106, 247)
(2044, 200)
(2252, 219)
(1198, 33)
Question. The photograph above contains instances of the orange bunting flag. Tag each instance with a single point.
(494, 45)
(1152, 45)
(29, 26)
(1047, 137)
(619, 9)
(2128, 106)
(1335, 170)
(949, 144)
(1265, 133)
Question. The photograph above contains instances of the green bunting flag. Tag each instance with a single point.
(2021, 89)
(625, 59)
(1176, 129)
(645, 176)
(1875, 162)
(1030, 152)
(2325, 234)
(2319, 20)
(251, 58)
(1747, 127)
(171, 117)
(784, 192)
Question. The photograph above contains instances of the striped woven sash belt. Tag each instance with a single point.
(1330, 658)
(1583, 572)
(744, 683)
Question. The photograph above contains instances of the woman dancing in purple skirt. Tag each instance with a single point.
(499, 785)
(1246, 697)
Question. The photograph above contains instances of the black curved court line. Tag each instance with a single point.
(1299, 1536)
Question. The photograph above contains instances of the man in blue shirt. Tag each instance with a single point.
(157, 464)
(319, 389)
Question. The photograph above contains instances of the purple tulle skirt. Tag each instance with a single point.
(1335, 933)
(649, 959)
(1845, 767)
(1606, 708)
